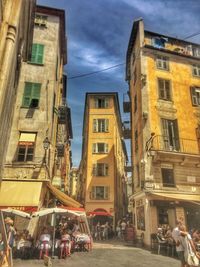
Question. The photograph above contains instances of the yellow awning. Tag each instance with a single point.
(176, 196)
(62, 197)
(18, 193)
(27, 137)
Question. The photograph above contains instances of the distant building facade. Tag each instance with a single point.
(101, 180)
(163, 74)
(41, 128)
(16, 31)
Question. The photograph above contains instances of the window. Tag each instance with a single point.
(164, 89)
(100, 125)
(26, 147)
(162, 63)
(37, 53)
(195, 94)
(196, 51)
(40, 20)
(168, 177)
(99, 148)
(170, 135)
(196, 70)
(100, 169)
(31, 95)
(135, 103)
(101, 102)
(136, 141)
(100, 192)
(159, 42)
(163, 216)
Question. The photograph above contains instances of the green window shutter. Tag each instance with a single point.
(37, 53)
(27, 94)
(33, 53)
(40, 52)
(36, 90)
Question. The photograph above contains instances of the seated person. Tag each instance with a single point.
(65, 244)
(160, 235)
(45, 242)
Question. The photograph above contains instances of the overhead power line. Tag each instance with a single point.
(192, 35)
(95, 72)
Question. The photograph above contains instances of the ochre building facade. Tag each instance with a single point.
(163, 74)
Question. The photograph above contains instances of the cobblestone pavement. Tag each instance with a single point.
(106, 254)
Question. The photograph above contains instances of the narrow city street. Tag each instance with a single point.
(107, 254)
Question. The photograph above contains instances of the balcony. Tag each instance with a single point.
(171, 144)
(126, 130)
(126, 103)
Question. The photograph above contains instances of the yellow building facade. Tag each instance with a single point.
(101, 185)
(163, 74)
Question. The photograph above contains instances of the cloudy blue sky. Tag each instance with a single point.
(98, 33)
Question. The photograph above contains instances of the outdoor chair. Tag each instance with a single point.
(154, 241)
(161, 244)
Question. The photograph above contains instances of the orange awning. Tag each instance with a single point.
(63, 198)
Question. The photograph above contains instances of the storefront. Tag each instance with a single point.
(153, 210)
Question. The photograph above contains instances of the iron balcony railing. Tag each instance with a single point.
(172, 144)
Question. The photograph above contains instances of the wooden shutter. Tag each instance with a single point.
(37, 53)
(27, 94)
(40, 52)
(176, 134)
(94, 169)
(106, 192)
(36, 90)
(95, 124)
(161, 88)
(167, 90)
(96, 102)
(106, 148)
(106, 125)
(93, 193)
(193, 96)
(94, 148)
(106, 102)
(105, 169)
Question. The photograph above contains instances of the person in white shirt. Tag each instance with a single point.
(179, 246)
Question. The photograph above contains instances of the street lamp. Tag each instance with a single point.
(46, 143)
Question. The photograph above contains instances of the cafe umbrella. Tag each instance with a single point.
(53, 212)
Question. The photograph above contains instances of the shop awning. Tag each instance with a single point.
(176, 196)
(27, 137)
(20, 194)
(63, 198)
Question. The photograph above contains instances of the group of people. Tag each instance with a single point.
(102, 231)
(63, 239)
(187, 244)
